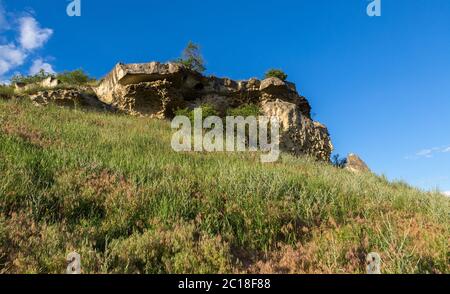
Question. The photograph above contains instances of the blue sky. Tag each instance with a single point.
(380, 84)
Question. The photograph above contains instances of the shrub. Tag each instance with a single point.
(31, 79)
(338, 162)
(76, 77)
(207, 110)
(245, 111)
(276, 73)
(192, 58)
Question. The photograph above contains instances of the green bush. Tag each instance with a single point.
(76, 77)
(31, 79)
(338, 162)
(245, 111)
(207, 110)
(276, 73)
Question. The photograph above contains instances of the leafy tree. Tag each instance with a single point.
(192, 58)
(276, 73)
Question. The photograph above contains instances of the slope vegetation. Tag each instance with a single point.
(110, 187)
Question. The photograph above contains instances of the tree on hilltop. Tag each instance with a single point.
(192, 58)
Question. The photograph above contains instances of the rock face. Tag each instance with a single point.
(68, 98)
(299, 134)
(158, 90)
(48, 83)
(356, 164)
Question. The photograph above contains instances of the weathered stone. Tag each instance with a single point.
(273, 85)
(192, 86)
(50, 82)
(356, 164)
(68, 98)
(299, 134)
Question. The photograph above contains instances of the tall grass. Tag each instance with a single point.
(110, 187)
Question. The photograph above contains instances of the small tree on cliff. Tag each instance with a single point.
(192, 58)
(276, 73)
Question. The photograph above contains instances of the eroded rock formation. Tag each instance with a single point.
(158, 90)
(69, 98)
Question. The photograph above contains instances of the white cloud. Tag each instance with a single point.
(10, 57)
(446, 193)
(32, 36)
(429, 153)
(39, 65)
(426, 153)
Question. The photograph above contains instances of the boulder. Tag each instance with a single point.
(273, 85)
(299, 134)
(356, 164)
(50, 82)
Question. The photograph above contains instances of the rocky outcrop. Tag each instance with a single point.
(140, 88)
(299, 134)
(76, 97)
(48, 83)
(356, 164)
(158, 90)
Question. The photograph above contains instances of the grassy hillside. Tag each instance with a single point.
(110, 187)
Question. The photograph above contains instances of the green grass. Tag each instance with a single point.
(6, 92)
(110, 187)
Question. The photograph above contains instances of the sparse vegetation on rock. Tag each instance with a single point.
(31, 79)
(245, 110)
(276, 73)
(77, 77)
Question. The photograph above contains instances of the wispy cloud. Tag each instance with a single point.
(429, 153)
(31, 37)
(10, 57)
(39, 65)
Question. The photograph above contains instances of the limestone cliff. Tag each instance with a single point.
(157, 90)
